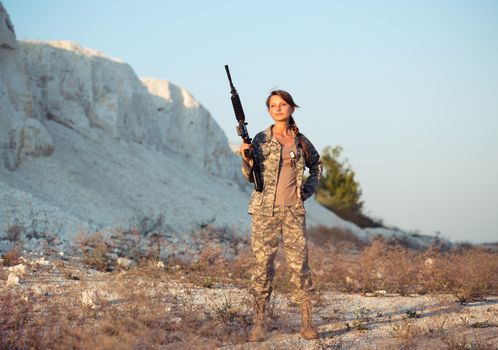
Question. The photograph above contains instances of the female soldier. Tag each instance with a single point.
(282, 153)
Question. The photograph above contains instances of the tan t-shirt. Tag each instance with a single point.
(286, 184)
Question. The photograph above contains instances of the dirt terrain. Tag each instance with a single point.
(54, 302)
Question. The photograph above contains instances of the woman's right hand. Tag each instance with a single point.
(242, 148)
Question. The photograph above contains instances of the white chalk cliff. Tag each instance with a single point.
(86, 145)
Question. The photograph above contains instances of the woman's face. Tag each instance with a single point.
(278, 109)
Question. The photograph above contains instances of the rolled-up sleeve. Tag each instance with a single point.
(246, 170)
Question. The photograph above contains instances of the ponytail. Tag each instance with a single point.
(295, 129)
(293, 125)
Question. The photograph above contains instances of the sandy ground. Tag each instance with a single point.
(344, 321)
(352, 321)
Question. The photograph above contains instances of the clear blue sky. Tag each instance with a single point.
(409, 89)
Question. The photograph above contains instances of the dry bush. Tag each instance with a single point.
(14, 320)
(470, 273)
(464, 342)
(362, 318)
(218, 257)
(95, 251)
(14, 233)
(212, 267)
(436, 335)
(387, 267)
(408, 334)
(331, 268)
(12, 256)
(211, 255)
(340, 238)
(101, 251)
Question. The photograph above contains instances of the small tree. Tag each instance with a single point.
(338, 188)
(339, 191)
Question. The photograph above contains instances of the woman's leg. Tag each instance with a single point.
(264, 243)
(265, 233)
(296, 252)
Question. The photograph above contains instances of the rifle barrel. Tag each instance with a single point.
(229, 78)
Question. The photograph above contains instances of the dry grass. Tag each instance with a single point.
(140, 307)
(470, 273)
(128, 309)
(339, 260)
(409, 335)
(12, 256)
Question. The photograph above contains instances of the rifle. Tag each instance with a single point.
(242, 132)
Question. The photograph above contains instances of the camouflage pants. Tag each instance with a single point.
(265, 235)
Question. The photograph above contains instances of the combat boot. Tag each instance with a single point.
(258, 332)
(308, 331)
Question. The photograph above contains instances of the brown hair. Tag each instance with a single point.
(284, 95)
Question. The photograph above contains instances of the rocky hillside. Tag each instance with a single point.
(86, 145)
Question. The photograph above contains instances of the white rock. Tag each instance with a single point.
(36, 290)
(188, 128)
(12, 280)
(124, 263)
(42, 261)
(19, 270)
(90, 298)
(33, 140)
(7, 34)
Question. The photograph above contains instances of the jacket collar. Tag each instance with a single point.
(268, 133)
(269, 136)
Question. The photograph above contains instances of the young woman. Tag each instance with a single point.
(282, 153)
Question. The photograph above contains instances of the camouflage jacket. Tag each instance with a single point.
(266, 151)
